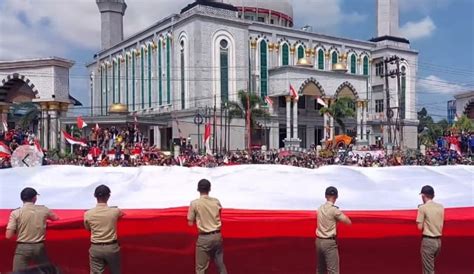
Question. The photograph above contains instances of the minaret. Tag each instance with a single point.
(111, 16)
(387, 18)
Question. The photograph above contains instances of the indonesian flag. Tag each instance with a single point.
(268, 101)
(293, 92)
(320, 101)
(4, 150)
(4, 126)
(267, 211)
(73, 140)
(207, 138)
(97, 127)
(80, 123)
(456, 118)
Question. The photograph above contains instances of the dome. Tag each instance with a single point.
(281, 6)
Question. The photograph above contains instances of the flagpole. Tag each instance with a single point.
(72, 134)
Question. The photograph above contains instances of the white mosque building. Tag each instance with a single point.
(192, 61)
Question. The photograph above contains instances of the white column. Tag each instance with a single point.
(364, 121)
(359, 127)
(45, 123)
(295, 118)
(288, 117)
(53, 128)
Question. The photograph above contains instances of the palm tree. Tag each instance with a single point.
(238, 109)
(341, 109)
(464, 124)
(29, 112)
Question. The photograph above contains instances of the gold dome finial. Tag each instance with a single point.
(118, 108)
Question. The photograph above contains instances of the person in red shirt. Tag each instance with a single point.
(95, 152)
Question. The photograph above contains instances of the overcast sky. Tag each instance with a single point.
(441, 30)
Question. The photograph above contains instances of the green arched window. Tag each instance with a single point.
(101, 91)
(114, 66)
(334, 57)
(168, 70)
(366, 65)
(149, 74)
(300, 52)
(263, 69)
(353, 64)
(321, 59)
(224, 69)
(160, 73)
(285, 55)
(142, 76)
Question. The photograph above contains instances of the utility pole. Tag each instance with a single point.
(388, 111)
(249, 127)
(220, 124)
(400, 108)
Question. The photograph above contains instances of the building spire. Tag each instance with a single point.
(387, 18)
(111, 16)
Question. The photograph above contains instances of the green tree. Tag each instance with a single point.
(238, 108)
(341, 109)
(464, 124)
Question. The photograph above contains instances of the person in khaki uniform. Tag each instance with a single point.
(101, 221)
(326, 245)
(206, 213)
(29, 223)
(430, 221)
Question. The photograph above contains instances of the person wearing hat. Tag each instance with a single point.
(29, 224)
(206, 213)
(326, 245)
(101, 221)
(430, 221)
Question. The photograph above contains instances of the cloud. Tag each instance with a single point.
(325, 15)
(418, 30)
(435, 84)
(423, 6)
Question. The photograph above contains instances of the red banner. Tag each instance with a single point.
(159, 241)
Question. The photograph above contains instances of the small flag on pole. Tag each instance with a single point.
(97, 127)
(268, 101)
(320, 101)
(293, 92)
(80, 123)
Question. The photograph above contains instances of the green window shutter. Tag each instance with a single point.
(263, 69)
(300, 52)
(160, 75)
(113, 81)
(142, 75)
(320, 59)
(133, 79)
(183, 86)
(149, 75)
(353, 64)
(403, 96)
(126, 79)
(224, 68)
(366, 65)
(168, 70)
(106, 89)
(118, 81)
(101, 91)
(334, 57)
(285, 52)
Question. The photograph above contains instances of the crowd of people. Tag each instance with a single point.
(126, 147)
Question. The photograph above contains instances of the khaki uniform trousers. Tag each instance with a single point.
(208, 246)
(101, 256)
(430, 249)
(26, 253)
(327, 256)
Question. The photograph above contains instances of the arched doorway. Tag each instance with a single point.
(469, 109)
(313, 132)
(347, 90)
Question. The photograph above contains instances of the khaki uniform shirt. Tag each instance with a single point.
(206, 212)
(101, 221)
(328, 215)
(431, 215)
(29, 222)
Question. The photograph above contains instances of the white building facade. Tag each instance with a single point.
(203, 56)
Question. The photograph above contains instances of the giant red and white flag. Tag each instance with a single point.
(266, 212)
(4, 126)
(268, 101)
(72, 140)
(293, 93)
(207, 138)
(81, 123)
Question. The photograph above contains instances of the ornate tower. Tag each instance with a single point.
(387, 18)
(111, 16)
